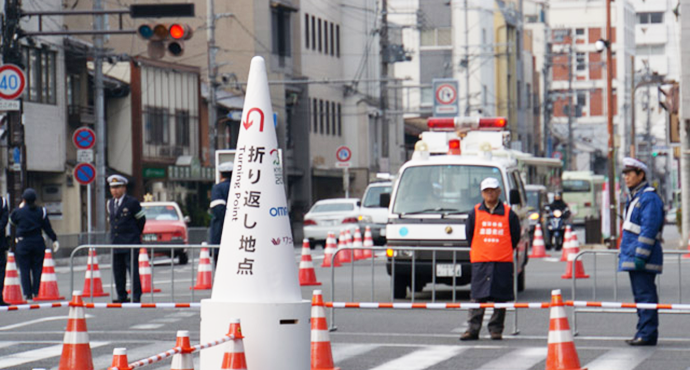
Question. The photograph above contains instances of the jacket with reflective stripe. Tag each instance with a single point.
(644, 217)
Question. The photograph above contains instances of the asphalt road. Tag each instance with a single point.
(378, 339)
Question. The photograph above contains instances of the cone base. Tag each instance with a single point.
(687, 255)
(14, 302)
(335, 368)
(49, 298)
(315, 283)
(567, 276)
(95, 295)
(539, 255)
(202, 287)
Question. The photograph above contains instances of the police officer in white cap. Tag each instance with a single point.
(640, 253)
(219, 199)
(127, 221)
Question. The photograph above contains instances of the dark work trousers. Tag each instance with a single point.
(3, 263)
(644, 290)
(476, 316)
(29, 255)
(122, 267)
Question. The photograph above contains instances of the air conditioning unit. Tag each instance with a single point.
(164, 151)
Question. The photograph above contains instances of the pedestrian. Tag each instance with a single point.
(30, 220)
(493, 232)
(219, 199)
(127, 222)
(4, 218)
(640, 251)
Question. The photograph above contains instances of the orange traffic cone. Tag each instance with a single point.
(345, 256)
(307, 275)
(93, 276)
(120, 361)
(183, 360)
(357, 243)
(204, 278)
(321, 355)
(76, 351)
(145, 273)
(368, 243)
(234, 354)
(566, 242)
(686, 255)
(329, 251)
(12, 293)
(562, 354)
(579, 267)
(538, 247)
(48, 291)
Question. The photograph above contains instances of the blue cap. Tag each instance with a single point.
(29, 195)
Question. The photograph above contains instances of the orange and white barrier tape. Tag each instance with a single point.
(173, 351)
(434, 306)
(25, 307)
(643, 306)
(142, 305)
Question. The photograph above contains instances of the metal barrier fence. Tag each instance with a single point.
(192, 248)
(434, 250)
(615, 254)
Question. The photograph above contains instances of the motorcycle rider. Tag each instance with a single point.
(558, 204)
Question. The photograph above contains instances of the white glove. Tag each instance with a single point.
(56, 246)
(21, 204)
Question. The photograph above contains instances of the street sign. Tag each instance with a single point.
(343, 154)
(12, 81)
(446, 102)
(84, 155)
(342, 164)
(84, 173)
(84, 138)
(10, 105)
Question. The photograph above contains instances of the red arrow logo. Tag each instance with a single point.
(248, 123)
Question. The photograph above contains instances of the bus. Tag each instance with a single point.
(541, 171)
(582, 191)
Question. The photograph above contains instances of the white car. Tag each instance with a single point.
(330, 215)
(372, 214)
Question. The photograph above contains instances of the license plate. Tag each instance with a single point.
(446, 270)
(327, 222)
(150, 237)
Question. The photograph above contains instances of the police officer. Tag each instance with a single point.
(4, 218)
(493, 232)
(127, 221)
(219, 198)
(30, 220)
(640, 251)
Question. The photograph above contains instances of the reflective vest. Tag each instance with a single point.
(491, 241)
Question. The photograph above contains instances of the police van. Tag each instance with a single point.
(434, 192)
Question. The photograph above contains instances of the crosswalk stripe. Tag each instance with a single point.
(521, 359)
(422, 358)
(620, 359)
(342, 352)
(19, 358)
(146, 326)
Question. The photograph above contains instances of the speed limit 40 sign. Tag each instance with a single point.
(12, 82)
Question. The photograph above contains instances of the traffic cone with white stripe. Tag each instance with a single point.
(321, 354)
(345, 256)
(48, 291)
(307, 275)
(234, 357)
(562, 354)
(76, 351)
(357, 243)
(329, 251)
(120, 361)
(12, 293)
(204, 278)
(538, 247)
(145, 273)
(93, 277)
(368, 243)
(573, 250)
(183, 360)
(566, 242)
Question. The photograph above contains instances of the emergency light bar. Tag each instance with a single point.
(466, 123)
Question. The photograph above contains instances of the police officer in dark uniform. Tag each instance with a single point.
(219, 199)
(4, 218)
(30, 220)
(127, 221)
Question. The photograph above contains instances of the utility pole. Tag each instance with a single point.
(467, 63)
(100, 117)
(546, 103)
(633, 146)
(613, 232)
(212, 84)
(571, 106)
(383, 103)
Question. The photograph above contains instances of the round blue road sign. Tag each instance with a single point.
(84, 138)
(84, 173)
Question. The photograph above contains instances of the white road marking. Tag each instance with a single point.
(422, 358)
(146, 326)
(12, 360)
(521, 359)
(43, 319)
(342, 352)
(166, 319)
(620, 359)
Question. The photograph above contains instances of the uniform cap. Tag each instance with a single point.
(631, 164)
(489, 183)
(29, 195)
(117, 180)
(225, 167)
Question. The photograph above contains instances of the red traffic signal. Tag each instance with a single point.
(162, 37)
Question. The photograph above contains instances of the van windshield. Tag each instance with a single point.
(372, 198)
(442, 188)
(576, 186)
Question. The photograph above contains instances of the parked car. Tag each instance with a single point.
(330, 215)
(165, 224)
(373, 213)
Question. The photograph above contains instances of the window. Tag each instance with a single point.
(325, 37)
(332, 40)
(182, 132)
(156, 126)
(580, 61)
(321, 117)
(642, 50)
(337, 41)
(560, 34)
(306, 30)
(485, 97)
(340, 120)
(653, 18)
(41, 76)
(280, 18)
(328, 118)
(579, 32)
(582, 98)
(436, 37)
(528, 99)
(319, 37)
(313, 32)
(335, 116)
(315, 114)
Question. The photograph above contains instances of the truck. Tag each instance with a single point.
(434, 192)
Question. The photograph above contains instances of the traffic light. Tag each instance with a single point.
(162, 37)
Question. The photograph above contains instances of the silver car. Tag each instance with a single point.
(330, 215)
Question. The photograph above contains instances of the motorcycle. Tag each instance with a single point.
(556, 227)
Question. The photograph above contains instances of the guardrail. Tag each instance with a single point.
(434, 250)
(134, 262)
(611, 308)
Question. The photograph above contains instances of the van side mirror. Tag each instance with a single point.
(187, 219)
(514, 197)
(384, 200)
